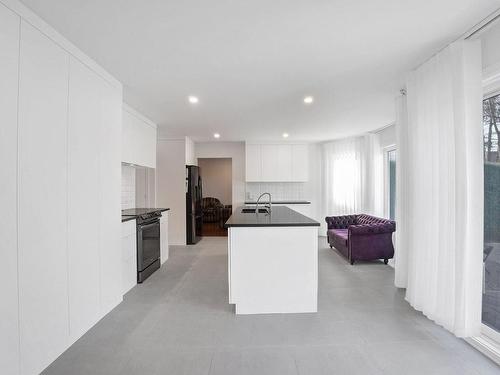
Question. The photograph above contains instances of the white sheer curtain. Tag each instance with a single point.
(353, 176)
(440, 189)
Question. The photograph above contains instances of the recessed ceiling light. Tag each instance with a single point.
(216, 135)
(285, 135)
(308, 99)
(193, 99)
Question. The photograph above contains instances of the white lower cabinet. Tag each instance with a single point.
(164, 237)
(129, 255)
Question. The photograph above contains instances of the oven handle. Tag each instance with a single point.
(148, 225)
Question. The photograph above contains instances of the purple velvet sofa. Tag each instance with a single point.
(361, 237)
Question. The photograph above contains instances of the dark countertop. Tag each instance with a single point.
(279, 202)
(279, 217)
(134, 213)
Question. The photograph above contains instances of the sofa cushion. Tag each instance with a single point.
(340, 234)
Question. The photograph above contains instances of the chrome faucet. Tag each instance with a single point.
(268, 208)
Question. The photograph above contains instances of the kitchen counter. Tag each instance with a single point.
(272, 262)
(279, 202)
(280, 216)
(134, 213)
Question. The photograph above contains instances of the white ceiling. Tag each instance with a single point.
(252, 62)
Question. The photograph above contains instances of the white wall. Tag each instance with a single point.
(170, 186)
(128, 187)
(235, 151)
(387, 136)
(216, 174)
(60, 148)
(490, 39)
(138, 139)
(9, 61)
(190, 152)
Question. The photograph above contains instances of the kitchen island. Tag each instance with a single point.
(272, 261)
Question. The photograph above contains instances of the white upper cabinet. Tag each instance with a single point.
(43, 178)
(253, 161)
(9, 61)
(138, 139)
(300, 162)
(277, 162)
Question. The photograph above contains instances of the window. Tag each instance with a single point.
(391, 183)
(491, 251)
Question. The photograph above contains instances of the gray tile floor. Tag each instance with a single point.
(179, 322)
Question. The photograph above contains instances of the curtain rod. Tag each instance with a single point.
(488, 21)
(476, 29)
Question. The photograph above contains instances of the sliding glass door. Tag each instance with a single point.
(491, 251)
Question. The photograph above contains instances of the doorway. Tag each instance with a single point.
(217, 191)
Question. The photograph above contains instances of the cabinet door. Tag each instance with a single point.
(84, 202)
(253, 163)
(129, 255)
(276, 163)
(9, 60)
(110, 186)
(164, 237)
(42, 232)
(300, 163)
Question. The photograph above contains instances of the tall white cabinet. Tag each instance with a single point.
(43, 177)
(60, 146)
(9, 60)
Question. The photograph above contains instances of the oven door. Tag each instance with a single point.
(148, 244)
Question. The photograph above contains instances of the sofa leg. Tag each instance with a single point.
(331, 247)
(386, 261)
(352, 262)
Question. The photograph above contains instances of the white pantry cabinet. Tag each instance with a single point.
(129, 255)
(110, 188)
(277, 162)
(9, 314)
(84, 122)
(43, 173)
(60, 146)
(164, 237)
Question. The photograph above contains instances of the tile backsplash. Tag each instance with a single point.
(128, 187)
(278, 190)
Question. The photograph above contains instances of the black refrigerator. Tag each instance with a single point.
(194, 216)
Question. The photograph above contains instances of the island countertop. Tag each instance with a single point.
(280, 216)
(280, 202)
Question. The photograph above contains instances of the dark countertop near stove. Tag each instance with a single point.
(280, 217)
(134, 213)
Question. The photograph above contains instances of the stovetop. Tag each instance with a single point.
(141, 211)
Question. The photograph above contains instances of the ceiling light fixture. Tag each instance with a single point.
(193, 99)
(308, 99)
(285, 135)
(216, 135)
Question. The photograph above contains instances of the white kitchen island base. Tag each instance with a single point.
(273, 269)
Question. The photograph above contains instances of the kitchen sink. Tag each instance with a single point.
(252, 211)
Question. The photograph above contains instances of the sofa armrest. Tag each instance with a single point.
(340, 222)
(388, 227)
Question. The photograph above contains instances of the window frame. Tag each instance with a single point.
(488, 342)
(387, 200)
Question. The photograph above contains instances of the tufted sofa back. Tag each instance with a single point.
(368, 219)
